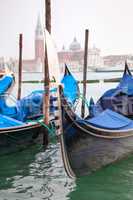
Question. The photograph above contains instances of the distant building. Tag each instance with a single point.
(94, 58)
(74, 56)
(118, 60)
(35, 64)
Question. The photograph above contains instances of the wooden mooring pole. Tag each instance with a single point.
(48, 15)
(20, 66)
(85, 72)
(46, 72)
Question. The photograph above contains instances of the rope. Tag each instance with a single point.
(83, 99)
(50, 130)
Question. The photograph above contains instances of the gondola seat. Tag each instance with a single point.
(109, 119)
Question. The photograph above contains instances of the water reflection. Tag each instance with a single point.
(112, 182)
(37, 175)
(34, 174)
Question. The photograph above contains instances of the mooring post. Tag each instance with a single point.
(48, 15)
(85, 72)
(46, 72)
(20, 66)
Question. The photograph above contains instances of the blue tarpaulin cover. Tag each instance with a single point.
(71, 89)
(94, 109)
(9, 122)
(117, 99)
(30, 106)
(125, 86)
(27, 107)
(109, 119)
(5, 83)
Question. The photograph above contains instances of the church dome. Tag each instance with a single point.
(75, 45)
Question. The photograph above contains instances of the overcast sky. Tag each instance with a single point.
(109, 21)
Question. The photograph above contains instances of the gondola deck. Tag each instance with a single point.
(18, 138)
(87, 147)
(88, 150)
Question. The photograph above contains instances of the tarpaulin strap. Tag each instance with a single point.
(50, 130)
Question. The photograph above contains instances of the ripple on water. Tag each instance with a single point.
(34, 174)
(37, 175)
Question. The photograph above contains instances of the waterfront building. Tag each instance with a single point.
(36, 63)
(118, 60)
(74, 57)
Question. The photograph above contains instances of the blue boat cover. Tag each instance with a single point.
(125, 86)
(71, 88)
(7, 110)
(114, 99)
(28, 107)
(5, 83)
(31, 106)
(94, 109)
(109, 120)
(9, 122)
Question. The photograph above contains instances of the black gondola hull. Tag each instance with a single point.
(19, 138)
(88, 149)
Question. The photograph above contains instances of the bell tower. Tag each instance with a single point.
(39, 41)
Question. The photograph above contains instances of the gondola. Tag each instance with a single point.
(94, 142)
(16, 133)
(22, 121)
(21, 124)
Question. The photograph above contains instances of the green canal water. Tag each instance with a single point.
(37, 175)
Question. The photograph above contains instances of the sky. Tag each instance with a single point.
(109, 23)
